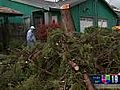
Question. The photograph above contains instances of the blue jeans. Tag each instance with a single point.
(30, 44)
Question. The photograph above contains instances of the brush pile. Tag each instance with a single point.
(61, 62)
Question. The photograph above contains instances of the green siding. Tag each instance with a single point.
(1, 2)
(76, 17)
(86, 9)
(26, 10)
(94, 10)
(106, 13)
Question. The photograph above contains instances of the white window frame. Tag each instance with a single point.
(102, 23)
(85, 22)
(55, 18)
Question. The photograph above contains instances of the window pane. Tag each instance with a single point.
(54, 18)
(85, 22)
(102, 23)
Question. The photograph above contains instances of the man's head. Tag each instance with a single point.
(32, 27)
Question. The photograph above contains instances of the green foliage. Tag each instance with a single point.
(47, 67)
(16, 43)
(75, 86)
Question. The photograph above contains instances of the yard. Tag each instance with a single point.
(63, 62)
(75, 42)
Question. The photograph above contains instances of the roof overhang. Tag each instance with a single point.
(70, 3)
(30, 3)
(54, 9)
(110, 8)
(47, 5)
(77, 2)
(9, 12)
(118, 13)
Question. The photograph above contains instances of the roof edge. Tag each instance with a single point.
(10, 11)
(77, 2)
(25, 3)
(110, 7)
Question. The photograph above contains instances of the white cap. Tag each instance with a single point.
(32, 27)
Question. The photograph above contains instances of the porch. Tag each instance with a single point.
(44, 19)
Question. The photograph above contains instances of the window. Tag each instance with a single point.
(54, 18)
(102, 23)
(46, 18)
(85, 22)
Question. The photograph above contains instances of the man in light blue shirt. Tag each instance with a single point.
(31, 37)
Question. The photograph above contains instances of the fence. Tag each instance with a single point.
(17, 31)
(11, 34)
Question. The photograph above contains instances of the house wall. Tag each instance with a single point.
(27, 11)
(23, 8)
(46, 16)
(105, 12)
(0, 2)
(76, 17)
(93, 10)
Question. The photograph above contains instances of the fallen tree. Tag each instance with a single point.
(61, 62)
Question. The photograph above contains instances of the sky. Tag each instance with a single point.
(114, 2)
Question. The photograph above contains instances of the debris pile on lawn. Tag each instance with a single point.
(61, 63)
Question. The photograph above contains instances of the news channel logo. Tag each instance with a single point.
(110, 79)
(106, 79)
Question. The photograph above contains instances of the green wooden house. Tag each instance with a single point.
(84, 13)
(93, 13)
(26, 9)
